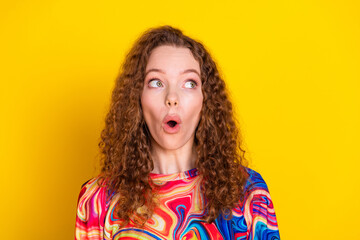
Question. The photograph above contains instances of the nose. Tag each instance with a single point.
(172, 100)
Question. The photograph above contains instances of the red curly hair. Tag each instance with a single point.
(125, 140)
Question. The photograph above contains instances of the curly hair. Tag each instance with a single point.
(125, 140)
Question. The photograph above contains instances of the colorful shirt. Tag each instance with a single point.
(178, 214)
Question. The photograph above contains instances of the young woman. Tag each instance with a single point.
(173, 167)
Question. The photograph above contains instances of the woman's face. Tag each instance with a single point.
(172, 98)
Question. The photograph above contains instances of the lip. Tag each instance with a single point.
(172, 117)
(167, 128)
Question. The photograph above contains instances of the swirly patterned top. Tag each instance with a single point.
(179, 212)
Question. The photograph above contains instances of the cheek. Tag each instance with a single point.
(198, 102)
(194, 107)
(149, 107)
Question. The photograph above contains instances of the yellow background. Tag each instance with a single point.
(292, 68)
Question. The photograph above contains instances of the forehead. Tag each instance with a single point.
(170, 57)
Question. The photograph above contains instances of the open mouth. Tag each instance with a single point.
(171, 123)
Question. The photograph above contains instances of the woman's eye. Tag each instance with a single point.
(190, 84)
(155, 83)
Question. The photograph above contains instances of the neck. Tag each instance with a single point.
(167, 161)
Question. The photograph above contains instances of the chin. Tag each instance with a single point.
(171, 146)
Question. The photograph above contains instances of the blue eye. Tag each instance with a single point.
(155, 83)
(190, 84)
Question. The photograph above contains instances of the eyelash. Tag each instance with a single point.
(193, 81)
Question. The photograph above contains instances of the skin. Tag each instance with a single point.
(168, 90)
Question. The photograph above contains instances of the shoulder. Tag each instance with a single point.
(256, 192)
(255, 181)
(92, 198)
(259, 212)
(254, 217)
(91, 189)
(91, 208)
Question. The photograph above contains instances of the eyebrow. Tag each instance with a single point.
(161, 71)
